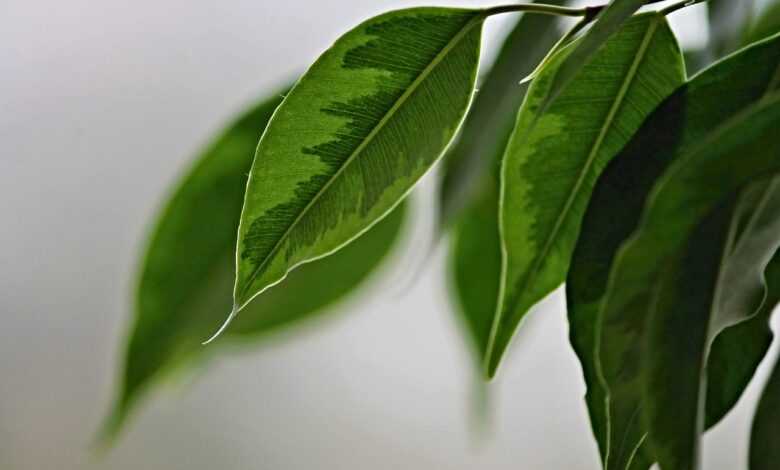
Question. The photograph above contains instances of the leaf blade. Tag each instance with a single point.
(487, 128)
(180, 298)
(608, 224)
(331, 162)
(554, 158)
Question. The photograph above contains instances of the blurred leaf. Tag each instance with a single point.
(487, 128)
(554, 158)
(716, 280)
(764, 442)
(715, 95)
(469, 190)
(366, 121)
(476, 266)
(728, 20)
(186, 278)
(765, 25)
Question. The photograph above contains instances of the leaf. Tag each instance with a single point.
(186, 278)
(765, 25)
(554, 158)
(487, 128)
(764, 445)
(476, 266)
(608, 22)
(366, 121)
(469, 188)
(728, 19)
(716, 280)
(710, 98)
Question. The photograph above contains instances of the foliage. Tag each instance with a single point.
(589, 159)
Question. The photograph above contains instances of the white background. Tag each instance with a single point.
(101, 105)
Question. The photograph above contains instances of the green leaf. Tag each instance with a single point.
(714, 281)
(186, 278)
(476, 266)
(713, 96)
(487, 128)
(554, 158)
(469, 189)
(764, 444)
(728, 19)
(608, 22)
(364, 123)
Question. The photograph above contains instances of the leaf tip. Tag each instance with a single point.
(224, 326)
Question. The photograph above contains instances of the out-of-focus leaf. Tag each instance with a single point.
(554, 158)
(728, 19)
(470, 176)
(715, 95)
(764, 442)
(364, 123)
(186, 279)
(486, 130)
(714, 281)
(476, 266)
(766, 24)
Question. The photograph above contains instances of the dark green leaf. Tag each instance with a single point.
(764, 442)
(487, 128)
(476, 266)
(186, 279)
(767, 24)
(710, 98)
(554, 158)
(366, 121)
(716, 280)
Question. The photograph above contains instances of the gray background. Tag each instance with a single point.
(101, 105)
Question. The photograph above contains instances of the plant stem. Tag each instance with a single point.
(540, 8)
(589, 13)
(680, 5)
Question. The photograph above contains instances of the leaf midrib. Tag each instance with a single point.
(478, 18)
(629, 79)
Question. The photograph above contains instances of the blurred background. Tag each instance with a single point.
(102, 105)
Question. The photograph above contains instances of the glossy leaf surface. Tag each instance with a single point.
(186, 279)
(613, 214)
(554, 158)
(364, 123)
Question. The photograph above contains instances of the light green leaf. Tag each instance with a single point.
(186, 278)
(715, 280)
(364, 123)
(710, 98)
(554, 158)
(487, 128)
